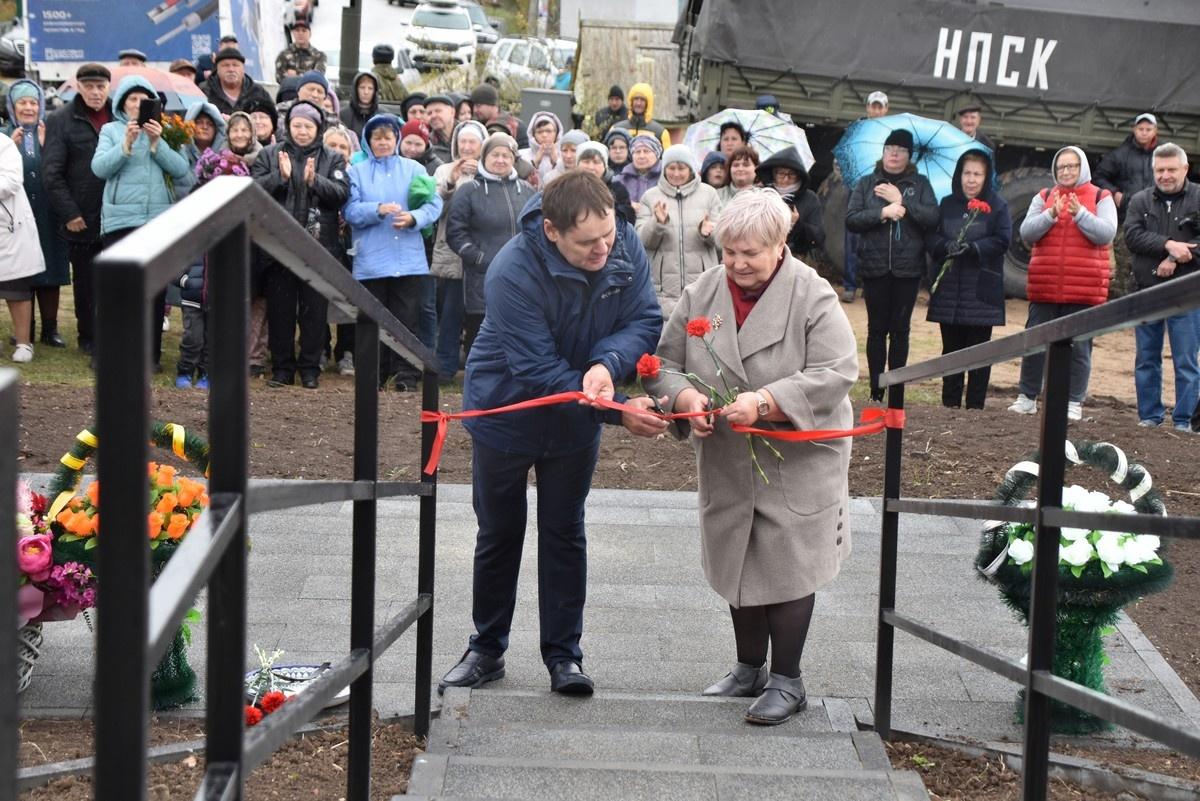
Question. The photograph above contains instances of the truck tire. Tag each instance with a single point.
(834, 197)
(1018, 188)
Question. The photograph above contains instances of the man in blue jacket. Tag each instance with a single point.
(570, 306)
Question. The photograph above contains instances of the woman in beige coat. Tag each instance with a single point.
(784, 340)
(675, 222)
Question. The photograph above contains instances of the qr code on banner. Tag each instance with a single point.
(201, 44)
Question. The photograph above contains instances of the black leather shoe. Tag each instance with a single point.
(473, 670)
(568, 678)
(309, 382)
(280, 380)
(741, 682)
(51, 337)
(781, 698)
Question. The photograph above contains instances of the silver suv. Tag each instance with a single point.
(440, 35)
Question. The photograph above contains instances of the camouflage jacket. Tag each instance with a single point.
(293, 58)
(391, 90)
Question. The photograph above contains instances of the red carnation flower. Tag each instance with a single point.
(699, 327)
(254, 715)
(648, 366)
(272, 701)
(980, 206)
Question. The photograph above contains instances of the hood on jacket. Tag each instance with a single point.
(368, 111)
(255, 146)
(128, 84)
(539, 116)
(41, 98)
(322, 124)
(209, 110)
(956, 181)
(288, 89)
(375, 123)
(475, 125)
(641, 90)
(683, 190)
(617, 133)
(713, 158)
(788, 157)
(1085, 171)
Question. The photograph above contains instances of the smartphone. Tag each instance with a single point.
(149, 109)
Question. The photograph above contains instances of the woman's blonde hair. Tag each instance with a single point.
(338, 131)
(754, 213)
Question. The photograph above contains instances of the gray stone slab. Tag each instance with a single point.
(554, 784)
(875, 787)
(750, 749)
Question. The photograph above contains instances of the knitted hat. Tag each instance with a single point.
(306, 111)
(265, 107)
(471, 128)
(498, 140)
(574, 137)
(413, 99)
(383, 54)
(93, 72)
(678, 154)
(415, 128)
(616, 133)
(228, 53)
(590, 148)
(616, 91)
(313, 76)
(486, 94)
(22, 90)
(902, 137)
(651, 142)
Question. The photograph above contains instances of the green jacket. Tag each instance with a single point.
(391, 90)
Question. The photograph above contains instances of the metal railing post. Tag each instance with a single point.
(1043, 600)
(362, 576)
(889, 535)
(229, 430)
(9, 728)
(122, 690)
(425, 561)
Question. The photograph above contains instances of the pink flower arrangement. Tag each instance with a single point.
(212, 164)
(48, 591)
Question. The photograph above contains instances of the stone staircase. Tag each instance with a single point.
(637, 746)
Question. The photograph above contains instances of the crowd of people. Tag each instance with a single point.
(450, 174)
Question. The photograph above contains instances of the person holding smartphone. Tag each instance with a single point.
(140, 171)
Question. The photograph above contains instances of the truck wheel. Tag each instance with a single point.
(834, 197)
(1018, 188)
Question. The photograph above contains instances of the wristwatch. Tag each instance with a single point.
(764, 408)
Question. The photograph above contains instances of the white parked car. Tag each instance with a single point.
(439, 35)
(529, 61)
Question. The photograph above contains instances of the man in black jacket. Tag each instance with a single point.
(1128, 169)
(74, 190)
(611, 114)
(1162, 230)
(229, 88)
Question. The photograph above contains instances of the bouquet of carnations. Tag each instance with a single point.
(52, 586)
(211, 164)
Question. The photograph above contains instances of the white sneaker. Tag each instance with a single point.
(1074, 410)
(166, 323)
(1024, 405)
(345, 365)
(23, 354)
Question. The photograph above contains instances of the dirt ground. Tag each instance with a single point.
(298, 433)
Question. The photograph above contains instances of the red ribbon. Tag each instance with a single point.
(872, 421)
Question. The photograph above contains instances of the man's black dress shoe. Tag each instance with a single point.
(568, 678)
(309, 382)
(473, 670)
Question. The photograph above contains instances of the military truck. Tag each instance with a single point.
(1046, 73)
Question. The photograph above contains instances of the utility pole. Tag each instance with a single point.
(351, 36)
(531, 20)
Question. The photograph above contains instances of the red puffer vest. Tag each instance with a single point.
(1065, 267)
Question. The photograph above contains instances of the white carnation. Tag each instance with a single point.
(1142, 548)
(1078, 553)
(1111, 551)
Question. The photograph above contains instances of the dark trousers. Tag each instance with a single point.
(402, 297)
(345, 341)
(850, 261)
(471, 326)
(1033, 365)
(82, 254)
(193, 349)
(957, 337)
(499, 483)
(291, 301)
(890, 302)
(427, 328)
(158, 305)
(450, 324)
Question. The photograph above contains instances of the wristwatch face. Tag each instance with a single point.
(763, 407)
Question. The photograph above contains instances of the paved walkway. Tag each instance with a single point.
(652, 623)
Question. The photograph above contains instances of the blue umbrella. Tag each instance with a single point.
(937, 146)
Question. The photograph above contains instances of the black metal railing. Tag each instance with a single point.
(138, 620)
(9, 728)
(1041, 685)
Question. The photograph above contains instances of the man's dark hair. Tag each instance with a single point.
(573, 195)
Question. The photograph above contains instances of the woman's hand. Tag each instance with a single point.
(893, 211)
(285, 165)
(41, 133)
(889, 193)
(1060, 203)
(707, 226)
(690, 400)
(744, 409)
(1073, 204)
(132, 129)
(310, 170)
(660, 212)
(644, 425)
(403, 220)
(384, 209)
(153, 129)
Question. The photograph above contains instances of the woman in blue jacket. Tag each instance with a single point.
(140, 172)
(484, 215)
(389, 252)
(970, 297)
